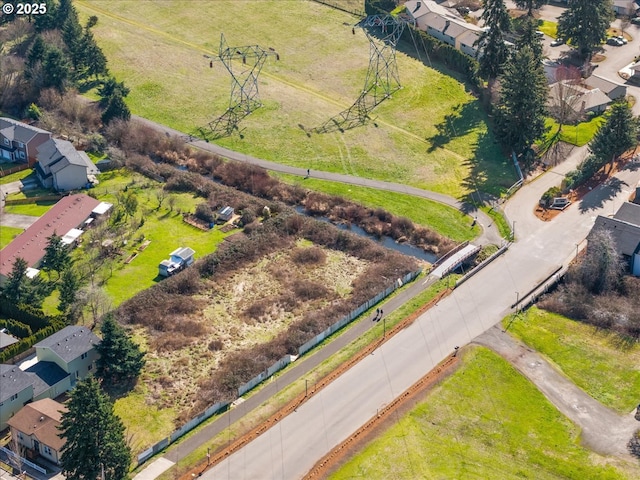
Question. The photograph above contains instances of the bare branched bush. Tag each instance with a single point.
(307, 290)
(311, 256)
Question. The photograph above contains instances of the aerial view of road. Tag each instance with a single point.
(291, 448)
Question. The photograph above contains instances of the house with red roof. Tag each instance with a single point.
(68, 214)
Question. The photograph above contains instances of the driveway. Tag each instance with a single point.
(602, 430)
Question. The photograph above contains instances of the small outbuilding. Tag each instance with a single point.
(225, 214)
(179, 259)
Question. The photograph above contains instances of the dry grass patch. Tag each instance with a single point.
(250, 307)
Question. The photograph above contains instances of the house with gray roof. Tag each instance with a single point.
(625, 229)
(16, 389)
(444, 24)
(611, 89)
(62, 167)
(72, 349)
(19, 141)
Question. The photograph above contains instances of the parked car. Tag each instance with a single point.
(557, 42)
(635, 20)
(539, 33)
(614, 41)
(622, 39)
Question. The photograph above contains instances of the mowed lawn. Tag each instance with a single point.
(485, 421)
(7, 234)
(165, 229)
(432, 133)
(599, 363)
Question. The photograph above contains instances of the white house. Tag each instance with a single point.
(180, 258)
(62, 167)
(444, 24)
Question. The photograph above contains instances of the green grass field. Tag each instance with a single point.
(432, 133)
(485, 421)
(598, 363)
(34, 209)
(165, 230)
(17, 176)
(443, 219)
(7, 234)
(577, 135)
(548, 28)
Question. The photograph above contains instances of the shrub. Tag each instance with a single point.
(204, 213)
(307, 290)
(309, 256)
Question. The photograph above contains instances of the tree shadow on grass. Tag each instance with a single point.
(602, 193)
(461, 121)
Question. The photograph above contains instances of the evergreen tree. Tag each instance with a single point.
(116, 109)
(529, 5)
(94, 436)
(63, 11)
(492, 51)
(48, 20)
(120, 358)
(16, 286)
(617, 135)
(94, 59)
(584, 23)
(55, 68)
(521, 111)
(530, 38)
(72, 34)
(56, 255)
(36, 51)
(68, 289)
(110, 88)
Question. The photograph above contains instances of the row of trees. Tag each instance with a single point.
(54, 50)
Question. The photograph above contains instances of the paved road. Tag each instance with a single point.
(289, 450)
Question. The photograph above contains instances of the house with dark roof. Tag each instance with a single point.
(19, 141)
(36, 428)
(625, 229)
(72, 349)
(62, 167)
(16, 389)
(69, 213)
(6, 339)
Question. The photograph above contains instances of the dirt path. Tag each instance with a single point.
(603, 430)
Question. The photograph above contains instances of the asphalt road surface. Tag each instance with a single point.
(291, 448)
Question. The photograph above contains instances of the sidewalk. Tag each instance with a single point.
(300, 369)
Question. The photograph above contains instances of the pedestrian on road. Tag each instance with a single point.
(308, 173)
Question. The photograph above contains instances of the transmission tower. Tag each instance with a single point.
(244, 84)
(383, 32)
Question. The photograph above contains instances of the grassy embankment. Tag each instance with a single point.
(599, 363)
(431, 134)
(505, 429)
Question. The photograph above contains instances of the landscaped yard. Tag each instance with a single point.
(36, 209)
(7, 234)
(579, 134)
(22, 174)
(164, 228)
(445, 220)
(485, 421)
(432, 133)
(548, 28)
(599, 363)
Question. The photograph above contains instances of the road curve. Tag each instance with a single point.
(490, 233)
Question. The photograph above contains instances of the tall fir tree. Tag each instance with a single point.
(15, 288)
(521, 112)
(584, 24)
(617, 135)
(529, 5)
(56, 255)
(55, 68)
(529, 37)
(68, 289)
(95, 445)
(121, 360)
(492, 51)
